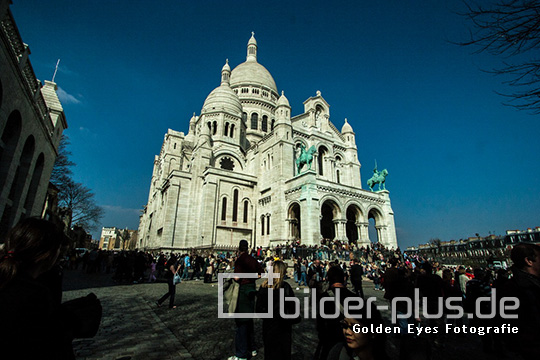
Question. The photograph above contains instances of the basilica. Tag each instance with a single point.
(248, 169)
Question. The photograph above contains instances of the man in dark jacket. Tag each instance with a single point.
(525, 285)
(245, 333)
(356, 273)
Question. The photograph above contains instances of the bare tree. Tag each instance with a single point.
(75, 197)
(510, 28)
(80, 200)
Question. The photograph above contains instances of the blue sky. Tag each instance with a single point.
(459, 161)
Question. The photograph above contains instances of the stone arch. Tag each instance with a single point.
(219, 155)
(298, 142)
(376, 221)
(323, 153)
(354, 218)
(226, 130)
(8, 144)
(330, 216)
(294, 219)
(17, 191)
(34, 184)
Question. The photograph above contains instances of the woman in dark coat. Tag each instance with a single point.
(277, 331)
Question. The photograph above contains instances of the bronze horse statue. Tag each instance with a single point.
(379, 177)
(306, 157)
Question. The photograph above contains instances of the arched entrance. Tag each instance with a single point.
(329, 213)
(353, 217)
(295, 229)
(375, 219)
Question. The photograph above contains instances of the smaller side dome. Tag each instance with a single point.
(223, 98)
(347, 128)
(283, 101)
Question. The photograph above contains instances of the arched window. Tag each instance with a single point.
(21, 174)
(268, 225)
(246, 209)
(226, 131)
(337, 177)
(322, 154)
(264, 125)
(8, 144)
(34, 184)
(235, 206)
(214, 130)
(254, 121)
(272, 124)
(262, 224)
(224, 209)
(232, 131)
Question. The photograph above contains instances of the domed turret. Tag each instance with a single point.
(252, 48)
(226, 73)
(283, 110)
(283, 101)
(223, 98)
(347, 128)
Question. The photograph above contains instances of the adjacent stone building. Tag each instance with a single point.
(113, 238)
(31, 123)
(234, 175)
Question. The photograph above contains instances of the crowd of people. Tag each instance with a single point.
(336, 272)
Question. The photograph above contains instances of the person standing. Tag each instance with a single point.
(187, 264)
(329, 327)
(356, 273)
(525, 285)
(172, 269)
(245, 334)
(277, 331)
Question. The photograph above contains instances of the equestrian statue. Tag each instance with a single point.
(306, 157)
(379, 177)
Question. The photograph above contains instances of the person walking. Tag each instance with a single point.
(172, 269)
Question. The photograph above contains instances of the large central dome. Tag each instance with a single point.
(251, 72)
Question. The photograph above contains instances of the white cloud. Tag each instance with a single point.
(120, 209)
(66, 98)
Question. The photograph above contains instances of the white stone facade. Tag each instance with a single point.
(31, 124)
(233, 175)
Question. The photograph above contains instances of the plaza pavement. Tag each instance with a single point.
(133, 327)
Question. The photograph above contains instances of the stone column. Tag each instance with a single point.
(363, 233)
(382, 234)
